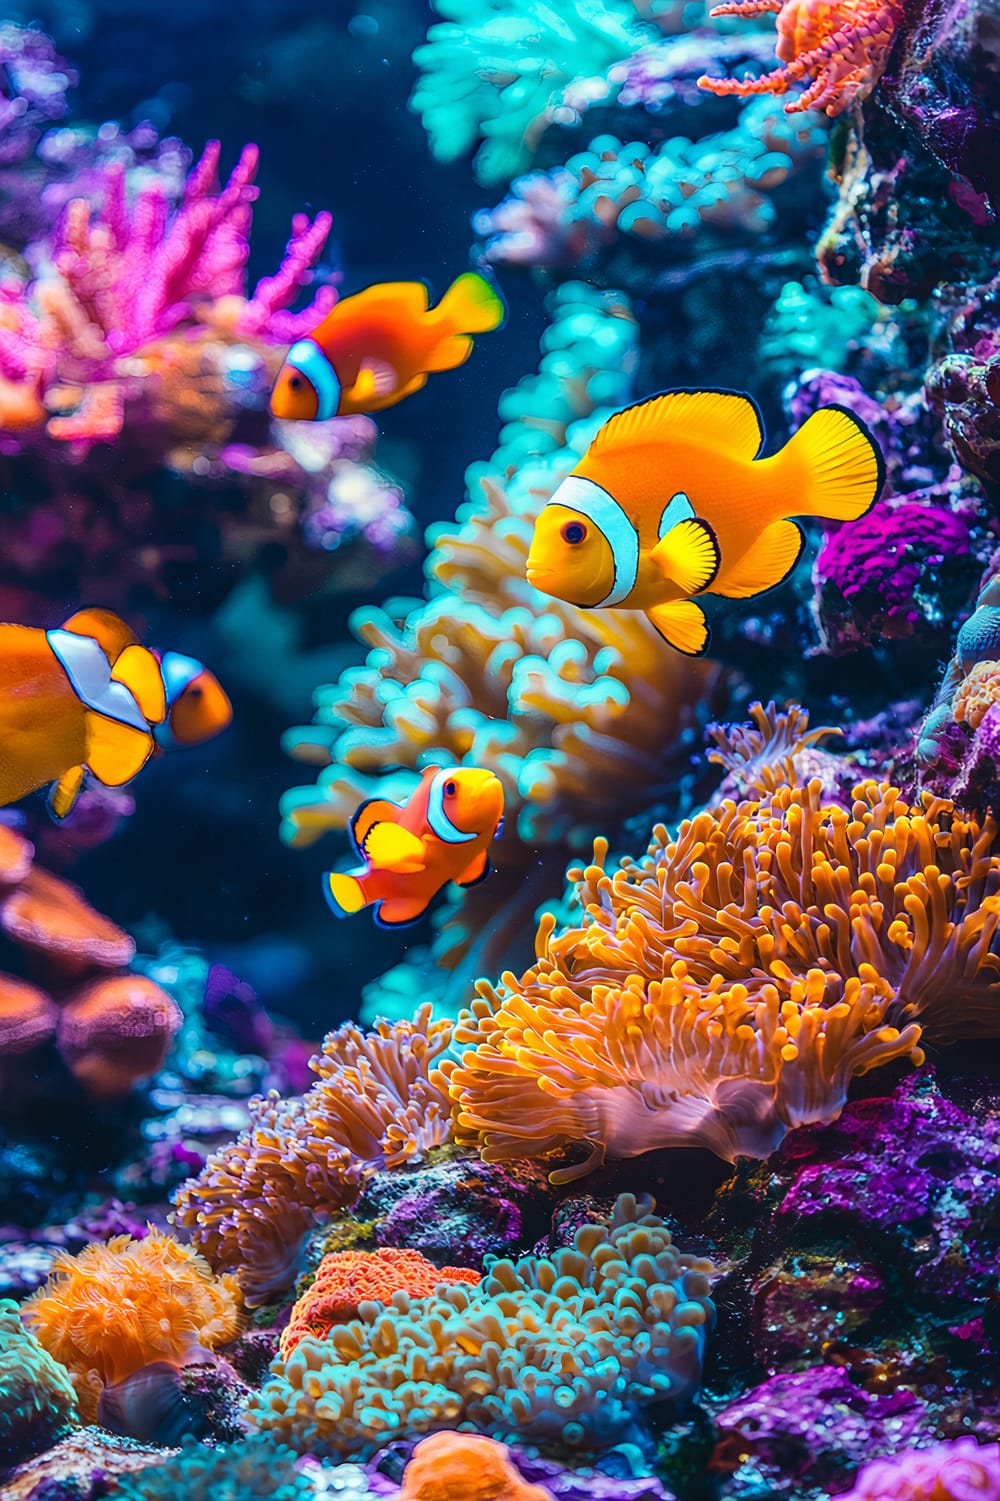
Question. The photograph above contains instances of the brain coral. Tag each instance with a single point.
(372, 1106)
(116, 1307)
(344, 1279)
(958, 1471)
(37, 1400)
(565, 1349)
(730, 984)
(580, 713)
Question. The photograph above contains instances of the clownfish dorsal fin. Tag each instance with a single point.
(104, 627)
(65, 792)
(723, 421)
(139, 670)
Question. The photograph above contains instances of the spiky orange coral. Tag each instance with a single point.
(842, 46)
(730, 984)
(344, 1279)
(116, 1307)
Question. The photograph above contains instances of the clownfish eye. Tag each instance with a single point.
(295, 382)
(573, 532)
(450, 789)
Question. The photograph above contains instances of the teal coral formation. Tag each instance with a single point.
(301, 1159)
(493, 70)
(232, 1472)
(37, 1399)
(566, 1349)
(580, 713)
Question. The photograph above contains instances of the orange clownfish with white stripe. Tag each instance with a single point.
(378, 346)
(86, 697)
(413, 850)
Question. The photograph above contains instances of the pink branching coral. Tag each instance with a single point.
(143, 313)
(958, 1471)
(841, 46)
(730, 984)
(374, 1105)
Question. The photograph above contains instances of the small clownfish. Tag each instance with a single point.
(198, 707)
(378, 346)
(671, 500)
(412, 850)
(88, 698)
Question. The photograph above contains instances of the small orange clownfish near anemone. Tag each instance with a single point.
(378, 346)
(671, 500)
(414, 849)
(86, 697)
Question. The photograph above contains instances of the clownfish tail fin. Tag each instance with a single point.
(472, 305)
(834, 464)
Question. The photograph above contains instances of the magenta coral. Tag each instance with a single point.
(958, 1471)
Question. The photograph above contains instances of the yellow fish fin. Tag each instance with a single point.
(688, 555)
(834, 463)
(388, 847)
(66, 791)
(723, 421)
(682, 625)
(477, 870)
(400, 911)
(416, 384)
(343, 893)
(472, 305)
(376, 810)
(115, 751)
(110, 633)
(375, 378)
(770, 560)
(139, 670)
(449, 352)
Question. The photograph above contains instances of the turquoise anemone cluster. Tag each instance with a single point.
(232, 1472)
(567, 1349)
(817, 325)
(37, 1399)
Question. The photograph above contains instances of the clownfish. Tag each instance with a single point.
(412, 850)
(85, 697)
(671, 500)
(378, 346)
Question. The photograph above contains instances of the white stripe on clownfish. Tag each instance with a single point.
(85, 664)
(677, 509)
(600, 507)
(308, 358)
(437, 818)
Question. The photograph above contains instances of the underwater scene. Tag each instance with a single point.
(500, 750)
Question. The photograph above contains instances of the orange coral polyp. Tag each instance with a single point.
(841, 46)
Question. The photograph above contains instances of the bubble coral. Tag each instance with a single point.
(566, 1348)
(302, 1159)
(729, 985)
(840, 46)
(961, 1470)
(344, 1279)
(977, 693)
(580, 713)
(465, 1467)
(37, 1400)
(116, 1307)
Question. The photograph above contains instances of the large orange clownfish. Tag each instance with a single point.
(411, 851)
(378, 346)
(86, 697)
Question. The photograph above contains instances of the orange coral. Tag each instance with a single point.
(16, 855)
(27, 1016)
(46, 914)
(729, 985)
(114, 1308)
(452, 1466)
(116, 1031)
(842, 46)
(978, 692)
(346, 1278)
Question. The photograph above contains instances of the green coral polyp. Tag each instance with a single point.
(37, 1398)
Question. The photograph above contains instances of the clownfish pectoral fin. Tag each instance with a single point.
(682, 625)
(65, 792)
(104, 626)
(399, 911)
(688, 555)
(477, 870)
(116, 752)
(723, 421)
(388, 847)
(343, 893)
(376, 380)
(139, 670)
(770, 560)
(375, 811)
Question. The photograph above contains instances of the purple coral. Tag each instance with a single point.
(962, 1470)
(35, 83)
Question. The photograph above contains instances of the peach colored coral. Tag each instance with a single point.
(116, 1031)
(977, 693)
(344, 1279)
(729, 985)
(116, 1307)
(49, 916)
(453, 1466)
(840, 46)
